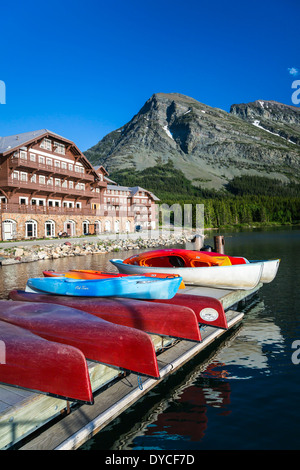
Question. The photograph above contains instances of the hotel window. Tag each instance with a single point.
(50, 181)
(64, 165)
(59, 148)
(46, 144)
(77, 168)
(15, 175)
(31, 228)
(23, 176)
(32, 157)
(70, 166)
(42, 179)
(23, 155)
(37, 202)
(23, 200)
(49, 228)
(33, 179)
(65, 184)
(57, 182)
(71, 184)
(57, 164)
(41, 160)
(49, 161)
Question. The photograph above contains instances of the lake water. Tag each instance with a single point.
(242, 394)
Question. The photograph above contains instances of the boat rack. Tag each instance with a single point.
(34, 421)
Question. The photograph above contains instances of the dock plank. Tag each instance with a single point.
(22, 412)
(82, 424)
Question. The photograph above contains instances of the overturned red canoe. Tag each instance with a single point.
(209, 311)
(99, 340)
(169, 320)
(31, 362)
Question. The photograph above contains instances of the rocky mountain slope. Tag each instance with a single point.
(209, 145)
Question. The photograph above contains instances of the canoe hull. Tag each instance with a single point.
(99, 340)
(139, 287)
(52, 368)
(244, 276)
(208, 310)
(168, 320)
(269, 271)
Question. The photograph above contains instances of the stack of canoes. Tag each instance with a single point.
(199, 268)
(64, 319)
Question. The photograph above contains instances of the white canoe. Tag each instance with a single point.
(239, 276)
(270, 268)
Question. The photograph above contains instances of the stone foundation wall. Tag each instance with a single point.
(60, 220)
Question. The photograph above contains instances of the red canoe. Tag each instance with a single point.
(99, 340)
(233, 259)
(169, 320)
(209, 311)
(42, 366)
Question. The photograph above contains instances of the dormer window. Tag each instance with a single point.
(46, 144)
(59, 148)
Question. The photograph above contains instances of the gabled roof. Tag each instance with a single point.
(11, 142)
(133, 190)
(136, 189)
(100, 167)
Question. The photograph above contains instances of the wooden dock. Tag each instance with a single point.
(32, 421)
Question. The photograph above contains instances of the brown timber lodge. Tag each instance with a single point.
(47, 186)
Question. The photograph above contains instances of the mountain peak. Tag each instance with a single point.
(208, 144)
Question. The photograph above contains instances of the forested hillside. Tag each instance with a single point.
(247, 200)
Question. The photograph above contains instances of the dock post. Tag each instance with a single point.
(198, 242)
(219, 244)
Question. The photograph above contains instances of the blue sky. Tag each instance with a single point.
(83, 69)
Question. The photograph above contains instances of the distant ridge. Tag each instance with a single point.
(209, 145)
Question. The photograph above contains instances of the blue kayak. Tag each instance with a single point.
(137, 287)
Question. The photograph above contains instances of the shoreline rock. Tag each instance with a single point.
(23, 254)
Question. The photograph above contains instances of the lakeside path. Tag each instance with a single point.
(146, 235)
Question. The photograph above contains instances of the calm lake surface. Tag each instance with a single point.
(242, 394)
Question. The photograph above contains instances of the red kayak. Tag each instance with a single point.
(99, 340)
(209, 311)
(42, 366)
(168, 320)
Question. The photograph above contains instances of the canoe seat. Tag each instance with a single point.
(164, 262)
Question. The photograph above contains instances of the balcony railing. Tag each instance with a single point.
(46, 187)
(10, 208)
(18, 162)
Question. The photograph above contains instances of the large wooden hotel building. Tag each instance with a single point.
(47, 187)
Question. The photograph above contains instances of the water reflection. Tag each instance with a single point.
(15, 276)
(249, 348)
(184, 414)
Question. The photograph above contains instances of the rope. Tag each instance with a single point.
(140, 383)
